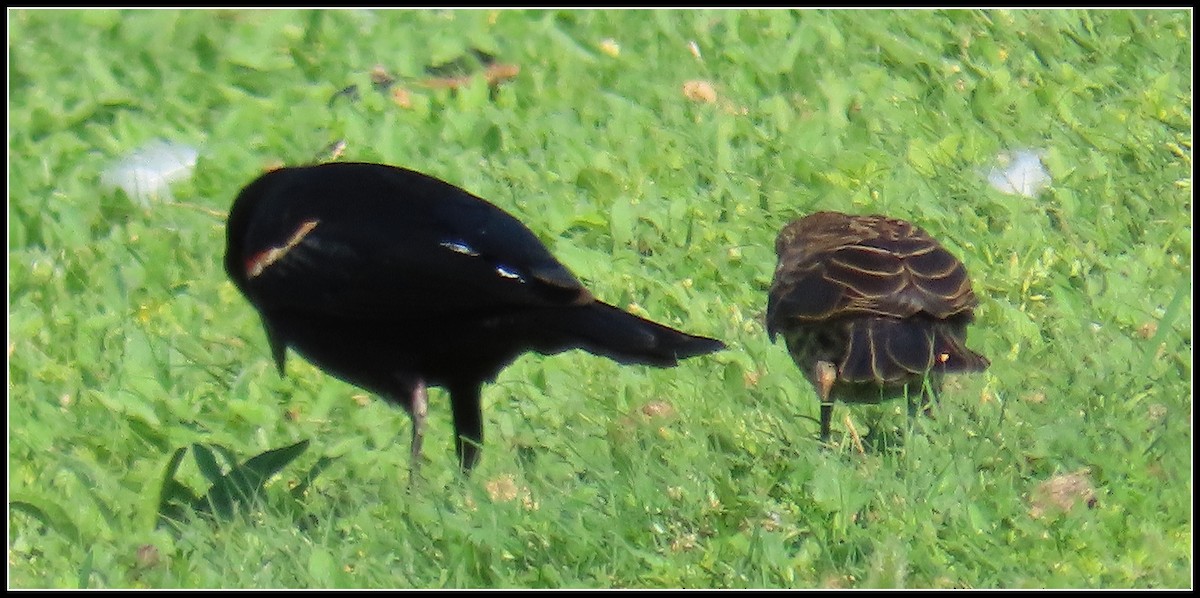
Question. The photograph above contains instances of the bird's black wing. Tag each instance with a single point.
(372, 242)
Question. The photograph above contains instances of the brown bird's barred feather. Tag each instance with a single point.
(876, 297)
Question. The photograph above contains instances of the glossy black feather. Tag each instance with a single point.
(388, 278)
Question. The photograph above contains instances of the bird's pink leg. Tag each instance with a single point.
(418, 409)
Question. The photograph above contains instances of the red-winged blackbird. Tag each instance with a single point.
(393, 281)
(868, 305)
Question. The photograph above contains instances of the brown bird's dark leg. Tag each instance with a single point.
(418, 410)
(468, 424)
(826, 375)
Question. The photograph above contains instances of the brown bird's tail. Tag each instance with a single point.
(888, 349)
(601, 329)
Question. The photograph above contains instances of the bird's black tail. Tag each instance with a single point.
(602, 329)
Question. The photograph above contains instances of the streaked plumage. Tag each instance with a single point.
(394, 281)
(868, 304)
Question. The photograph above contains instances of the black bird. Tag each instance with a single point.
(868, 305)
(395, 281)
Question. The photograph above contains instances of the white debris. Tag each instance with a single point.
(145, 174)
(1019, 173)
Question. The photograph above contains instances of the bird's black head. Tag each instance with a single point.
(238, 224)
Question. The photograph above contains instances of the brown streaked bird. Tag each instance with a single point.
(869, 305)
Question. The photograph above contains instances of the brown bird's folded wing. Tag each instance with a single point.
(865, 267)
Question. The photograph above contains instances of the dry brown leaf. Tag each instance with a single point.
(1062, 493)
(698, 90)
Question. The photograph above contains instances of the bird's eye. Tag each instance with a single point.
(459, 247)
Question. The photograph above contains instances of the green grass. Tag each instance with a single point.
(127, 343)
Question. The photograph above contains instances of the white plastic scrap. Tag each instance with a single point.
(1019, 173)
(145, 174)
